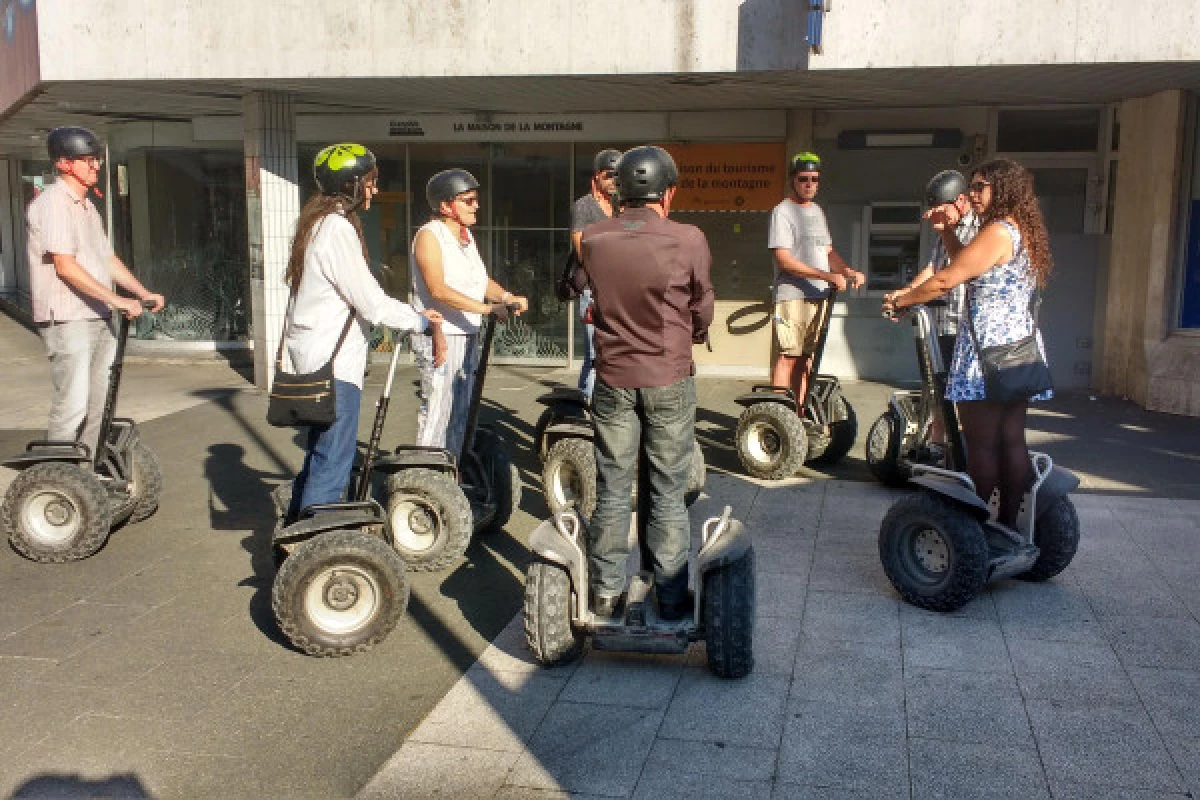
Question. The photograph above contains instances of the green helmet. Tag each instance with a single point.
(339, 169)
(804, 162)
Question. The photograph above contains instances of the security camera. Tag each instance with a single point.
(964, 159)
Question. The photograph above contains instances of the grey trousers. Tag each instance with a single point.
(80, 352)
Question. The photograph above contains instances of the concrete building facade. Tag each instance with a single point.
(212, 112)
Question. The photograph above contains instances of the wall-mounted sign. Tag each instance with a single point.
(629, 127)
(19, 67)
(729, 177)
(618, 130)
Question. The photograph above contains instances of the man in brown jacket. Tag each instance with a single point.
(653, 298)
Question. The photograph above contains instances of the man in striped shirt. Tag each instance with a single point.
(72, 269)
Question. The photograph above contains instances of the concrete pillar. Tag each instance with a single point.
(1145, 358)
(272, 208)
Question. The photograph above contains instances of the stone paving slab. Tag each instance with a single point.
(1031, 691)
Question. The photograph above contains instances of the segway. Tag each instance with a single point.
(940, 545)
(564, 440)
(776, 434)
(559, 619)
(340, 587)
(436, 500)
(900, 437)
(64, 503)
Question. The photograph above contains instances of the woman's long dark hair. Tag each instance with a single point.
(316, 209)
(1013, 196)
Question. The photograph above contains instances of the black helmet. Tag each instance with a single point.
(605, 159)
(945, 187)
(645, 173)
(72, 143)
(804, 162)
(447, 185)
(339, 168)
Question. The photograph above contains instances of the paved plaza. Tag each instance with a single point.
(154, 668)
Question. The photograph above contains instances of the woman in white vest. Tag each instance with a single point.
(451, 278)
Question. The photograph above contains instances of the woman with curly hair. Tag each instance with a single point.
(1002, 268)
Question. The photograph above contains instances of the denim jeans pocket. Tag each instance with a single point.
(669, 400)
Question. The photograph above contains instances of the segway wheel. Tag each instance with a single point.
(569, 477)
(147, 481)
(843, 429)
(56, 512)
(934, 553)
(728, 618)
(771, 442)
(1056, 534)
(548, 630)
(697, 476)
(503, 476)
(430, 518)
(883, 450)
(339, 593)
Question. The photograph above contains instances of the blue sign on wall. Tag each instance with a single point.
(1189, 313)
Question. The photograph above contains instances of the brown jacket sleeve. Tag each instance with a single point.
(703, 296)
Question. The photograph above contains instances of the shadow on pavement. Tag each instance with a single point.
(118, 787)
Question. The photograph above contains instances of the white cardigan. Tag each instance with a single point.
(337, 282)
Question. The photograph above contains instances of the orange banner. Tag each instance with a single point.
(729, 177)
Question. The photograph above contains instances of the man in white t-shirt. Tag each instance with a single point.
(806, 266)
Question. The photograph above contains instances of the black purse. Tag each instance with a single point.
(1014, 370)
(304, 400)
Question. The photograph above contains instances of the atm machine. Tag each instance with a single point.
(894, 243)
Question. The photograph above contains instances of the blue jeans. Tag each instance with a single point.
(657, 427)
(329, 454)
(587, 374)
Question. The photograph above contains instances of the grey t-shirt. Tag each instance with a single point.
(586, 211)
(802, 230)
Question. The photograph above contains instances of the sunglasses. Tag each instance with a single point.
(808, 178)
(978, 186)
(608, 173)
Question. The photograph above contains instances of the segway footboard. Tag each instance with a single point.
(46, 450)
(339, 516)
(952, 486)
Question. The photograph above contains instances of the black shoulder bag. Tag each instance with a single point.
(308, 399)
(1015, 370)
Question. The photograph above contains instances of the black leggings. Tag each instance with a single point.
(996, 453)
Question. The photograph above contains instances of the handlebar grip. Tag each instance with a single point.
(147, 304)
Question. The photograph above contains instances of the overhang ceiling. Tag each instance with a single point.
(96, 104)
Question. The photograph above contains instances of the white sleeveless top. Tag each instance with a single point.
(462, 270)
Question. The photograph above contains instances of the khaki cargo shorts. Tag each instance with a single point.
(798, 326)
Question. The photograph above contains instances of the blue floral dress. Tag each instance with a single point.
(998, 302)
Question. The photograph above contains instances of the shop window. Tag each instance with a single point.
(529, 219)
(180, 224)
(1189, 290)
(1048, 130)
